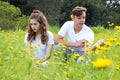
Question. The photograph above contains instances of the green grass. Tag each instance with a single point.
(16, 62)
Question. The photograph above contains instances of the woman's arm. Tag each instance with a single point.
(48, 52)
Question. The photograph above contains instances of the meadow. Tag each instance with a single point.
(17, 63)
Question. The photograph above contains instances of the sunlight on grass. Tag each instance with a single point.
(17, 62)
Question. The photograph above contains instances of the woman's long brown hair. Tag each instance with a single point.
(36, 14)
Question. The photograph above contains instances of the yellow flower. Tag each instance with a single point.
(1, 53)
(76, 55)
(11, 47)
(3, 31)
(81, 58)
(118, 43)
(66, 66)
(108, 22)
(116, 55)
(112, 39)
(99, 47)
(38, 44)
(117, 27)
(87, 44)
(38, 62)
(102, 63)
(61, 44)
(32, 47)
(72, 16)
(108, 43)
(15, 59)
(117, 67)
(98, 52)
(47, 62)
(57, 57)
(106, 49)
(65, 72)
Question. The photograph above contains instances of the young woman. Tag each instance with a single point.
(39, 37)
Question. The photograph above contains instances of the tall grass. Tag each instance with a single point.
(17, 63)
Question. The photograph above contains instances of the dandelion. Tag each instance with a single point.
(62, 45)
(66, 66)
(108, 22)
(102, 63)
(2, 31)
(58, 52)
(38, 44)
(65, 72)
(32, 47)
(87, 44)
(117, 67)
(19, 52)
(112, 39)
(57, 57)
(11, 47)
(108, 43)
(15, 59)
(47, 62)
(72, 50)
(116, 55)
(117, 28)
(81, 58)
(72, 16)
(99, 47)
(38, 62)
(64, 48)
(98, 52)
(118, 43)
(1, 53)
(76, 55)
(106, 49)
(32, 58)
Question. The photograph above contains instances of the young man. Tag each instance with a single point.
(77, 32)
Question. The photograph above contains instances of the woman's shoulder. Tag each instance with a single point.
(50, 33)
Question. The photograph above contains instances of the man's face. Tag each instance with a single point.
(80, 20)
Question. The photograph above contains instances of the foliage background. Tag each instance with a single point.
(58, 11)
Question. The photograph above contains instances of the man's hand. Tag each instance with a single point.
(80, 43)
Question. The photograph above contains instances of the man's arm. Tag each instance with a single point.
(60, 39)
(98, 43)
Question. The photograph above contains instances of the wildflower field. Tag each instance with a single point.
(17, 63)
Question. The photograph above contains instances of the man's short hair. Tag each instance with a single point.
(77, 11)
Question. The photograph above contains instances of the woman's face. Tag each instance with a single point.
(80, 20)
(35, 25)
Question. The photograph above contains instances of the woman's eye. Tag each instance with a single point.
(35, 24)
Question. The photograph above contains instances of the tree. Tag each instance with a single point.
(95, 14)
(113, 7)
(58, 11)
(10, 17)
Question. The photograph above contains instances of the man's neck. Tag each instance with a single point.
(77, 29)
